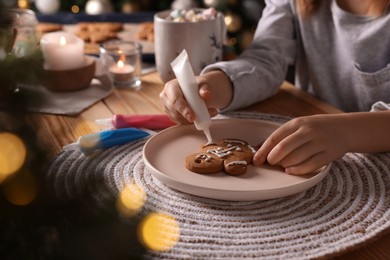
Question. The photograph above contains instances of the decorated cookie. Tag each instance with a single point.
(146, 31)
(231, 156)
(98, 32)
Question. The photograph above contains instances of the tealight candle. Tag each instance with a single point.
(62, 51)
(122, 73)
(122, 61)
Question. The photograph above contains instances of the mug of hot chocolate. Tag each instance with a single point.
(201, 32)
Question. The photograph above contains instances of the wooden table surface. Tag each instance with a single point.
(55, 131)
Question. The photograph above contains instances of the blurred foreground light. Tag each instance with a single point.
(159, 232)
(130, 201)
(12, 154)
(21, 190)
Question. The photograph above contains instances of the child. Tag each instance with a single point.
(341, 53)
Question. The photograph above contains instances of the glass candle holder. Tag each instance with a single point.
(26, 39)
(123, 62)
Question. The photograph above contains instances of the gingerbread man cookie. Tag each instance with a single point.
(231, 156)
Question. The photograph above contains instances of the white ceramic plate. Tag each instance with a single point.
(164, 155)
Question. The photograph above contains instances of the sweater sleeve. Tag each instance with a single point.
(259, 71)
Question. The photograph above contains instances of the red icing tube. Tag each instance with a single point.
(152, 121)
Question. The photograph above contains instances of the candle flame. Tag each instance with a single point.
(121, 61)
(62, 41)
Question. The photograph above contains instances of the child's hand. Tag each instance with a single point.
(214, 88)
(305, 144)
(175, 106)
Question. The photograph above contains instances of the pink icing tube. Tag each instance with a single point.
(151, 121)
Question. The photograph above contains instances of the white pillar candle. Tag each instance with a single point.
(122, 73)
(62, 51)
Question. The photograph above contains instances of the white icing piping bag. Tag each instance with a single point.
(185, 75)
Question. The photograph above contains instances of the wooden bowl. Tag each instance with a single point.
(70, 80)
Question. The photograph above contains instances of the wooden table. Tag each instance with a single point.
(55, 131)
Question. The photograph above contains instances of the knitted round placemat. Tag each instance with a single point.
(349, 207)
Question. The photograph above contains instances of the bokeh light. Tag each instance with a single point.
(75, 9)
(232, 41)
(12, 154)
(159, 232)
(217, 4)
(233, 22)
(211, 3)
(23, 4)
(130, 201)
(129, 7)
(21, 190)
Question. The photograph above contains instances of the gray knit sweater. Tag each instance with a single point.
(342, 58)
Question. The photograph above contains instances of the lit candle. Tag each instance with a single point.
(62, 51)
(121, 72)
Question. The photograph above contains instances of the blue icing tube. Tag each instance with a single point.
(106, 139)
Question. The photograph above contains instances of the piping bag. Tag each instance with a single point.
(150, 121)
(185, 75)
(106, 139)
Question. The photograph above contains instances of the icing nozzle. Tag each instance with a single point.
(72, 147)
(106, 122)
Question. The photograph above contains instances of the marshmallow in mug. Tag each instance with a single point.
(202, 40)
(181, 15)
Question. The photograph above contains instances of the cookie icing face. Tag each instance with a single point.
(231, 156)
(203, 163)
(222, 153)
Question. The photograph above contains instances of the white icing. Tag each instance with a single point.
(221, 153)
(252, 149)
(212, 143)
(235, 141)
(203, 156)
(236, 163)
